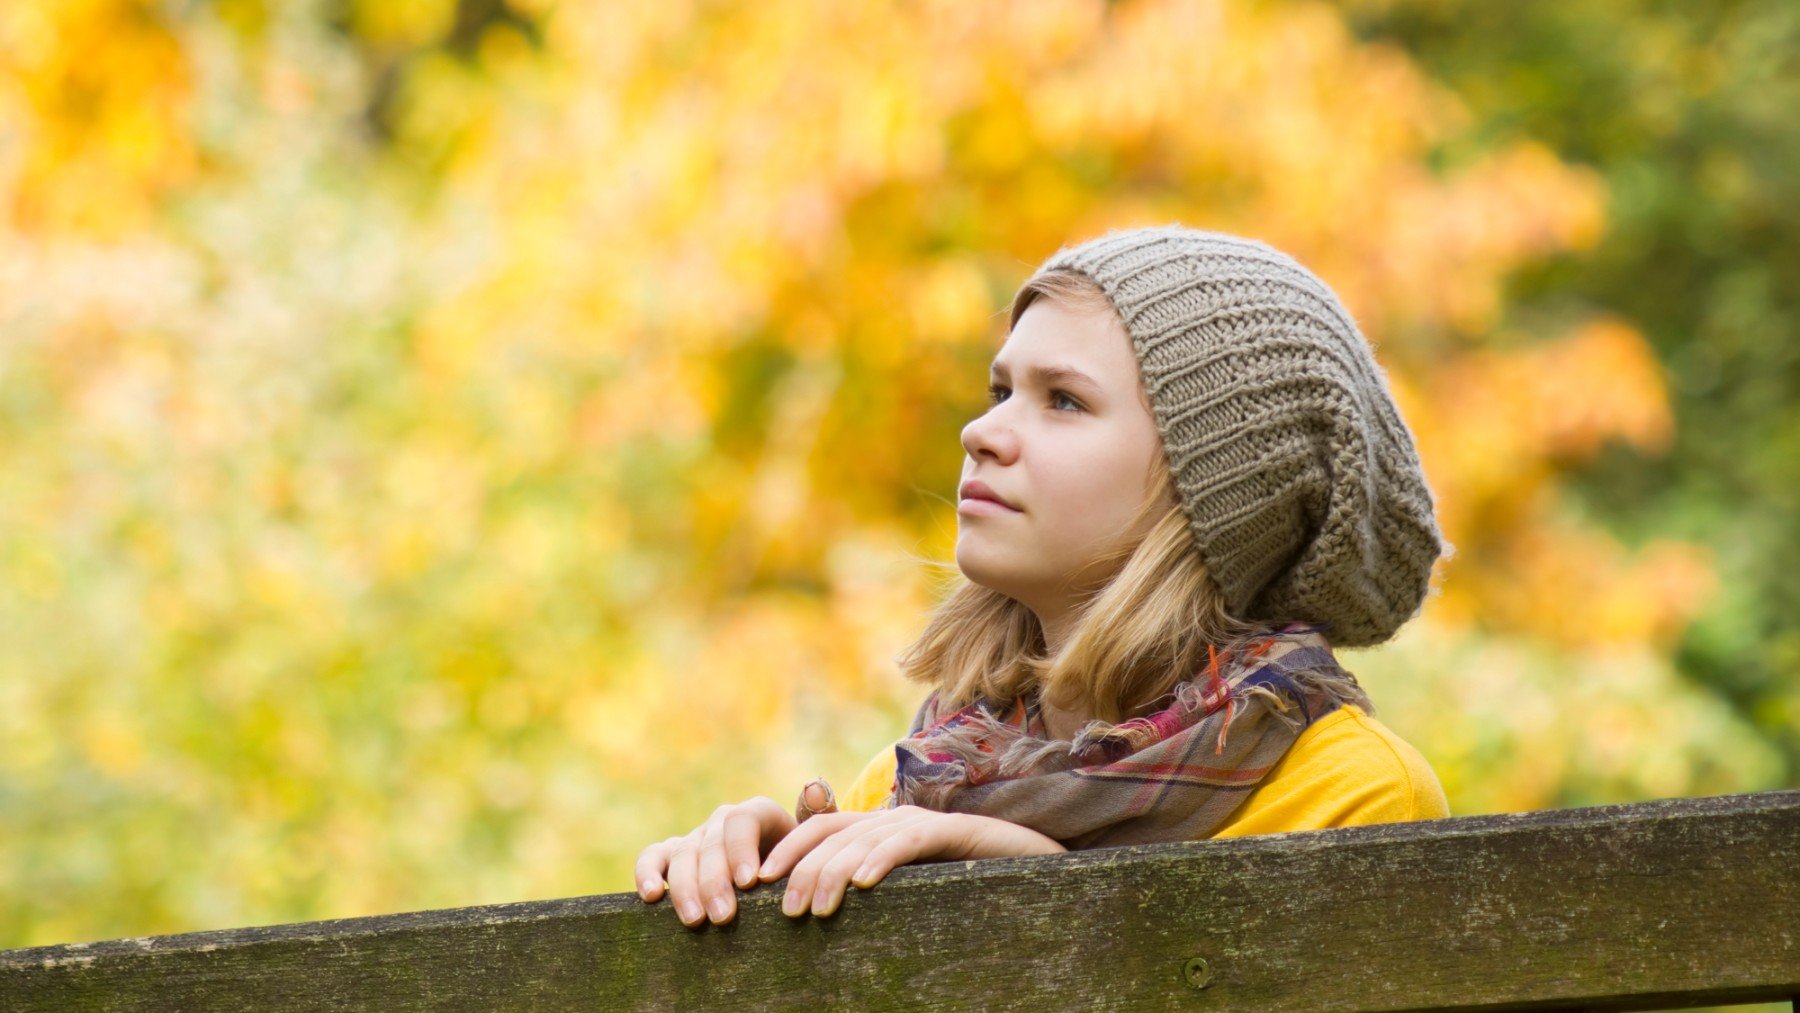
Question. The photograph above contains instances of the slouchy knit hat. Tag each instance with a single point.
(1299, 480)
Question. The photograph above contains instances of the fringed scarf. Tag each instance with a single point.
(1173, 775)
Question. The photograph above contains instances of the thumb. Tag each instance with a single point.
(815, 798)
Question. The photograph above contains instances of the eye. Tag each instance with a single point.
(997, 393)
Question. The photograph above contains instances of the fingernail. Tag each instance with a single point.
(719, 909)
(690, 911)
(745, 875)
(766, 866)
(790, 905)
(860, 875)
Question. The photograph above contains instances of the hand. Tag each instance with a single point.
(832, 850)
(703, 866)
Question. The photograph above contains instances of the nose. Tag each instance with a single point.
(991, 436)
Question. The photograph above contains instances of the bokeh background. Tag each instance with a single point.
(448, 444)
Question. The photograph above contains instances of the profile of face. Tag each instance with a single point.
(1068, 447)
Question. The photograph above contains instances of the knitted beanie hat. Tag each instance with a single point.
(1298, 478)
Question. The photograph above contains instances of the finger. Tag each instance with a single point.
(803, 839)
(715, 887)
(744, 831)
(923, 839)
(855, 844)
(684, 876)
(815, 798)
(832, 833)
(652, 863)
(803, 879)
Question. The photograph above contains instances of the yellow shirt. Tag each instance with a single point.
(1346, 769)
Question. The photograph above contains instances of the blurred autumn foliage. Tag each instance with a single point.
(447, 445)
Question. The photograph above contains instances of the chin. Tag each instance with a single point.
(986, 573)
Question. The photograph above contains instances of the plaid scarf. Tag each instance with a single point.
(1174, 775)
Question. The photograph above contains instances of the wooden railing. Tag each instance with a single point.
(1653, 905)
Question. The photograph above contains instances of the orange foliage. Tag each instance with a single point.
(99, 91)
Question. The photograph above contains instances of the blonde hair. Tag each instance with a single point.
(1147, 628)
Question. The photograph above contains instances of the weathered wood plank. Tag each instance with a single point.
(1650, 905)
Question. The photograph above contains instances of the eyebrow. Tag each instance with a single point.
(1051, 376)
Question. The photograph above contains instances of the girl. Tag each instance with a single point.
(1191, 485)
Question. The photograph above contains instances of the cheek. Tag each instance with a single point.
(1102, 488)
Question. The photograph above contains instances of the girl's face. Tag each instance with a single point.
(1070, 444)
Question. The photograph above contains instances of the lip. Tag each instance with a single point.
(974, 494)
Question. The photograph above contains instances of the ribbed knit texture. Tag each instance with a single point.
(1300, 481)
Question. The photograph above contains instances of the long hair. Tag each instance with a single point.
(1137, 635)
